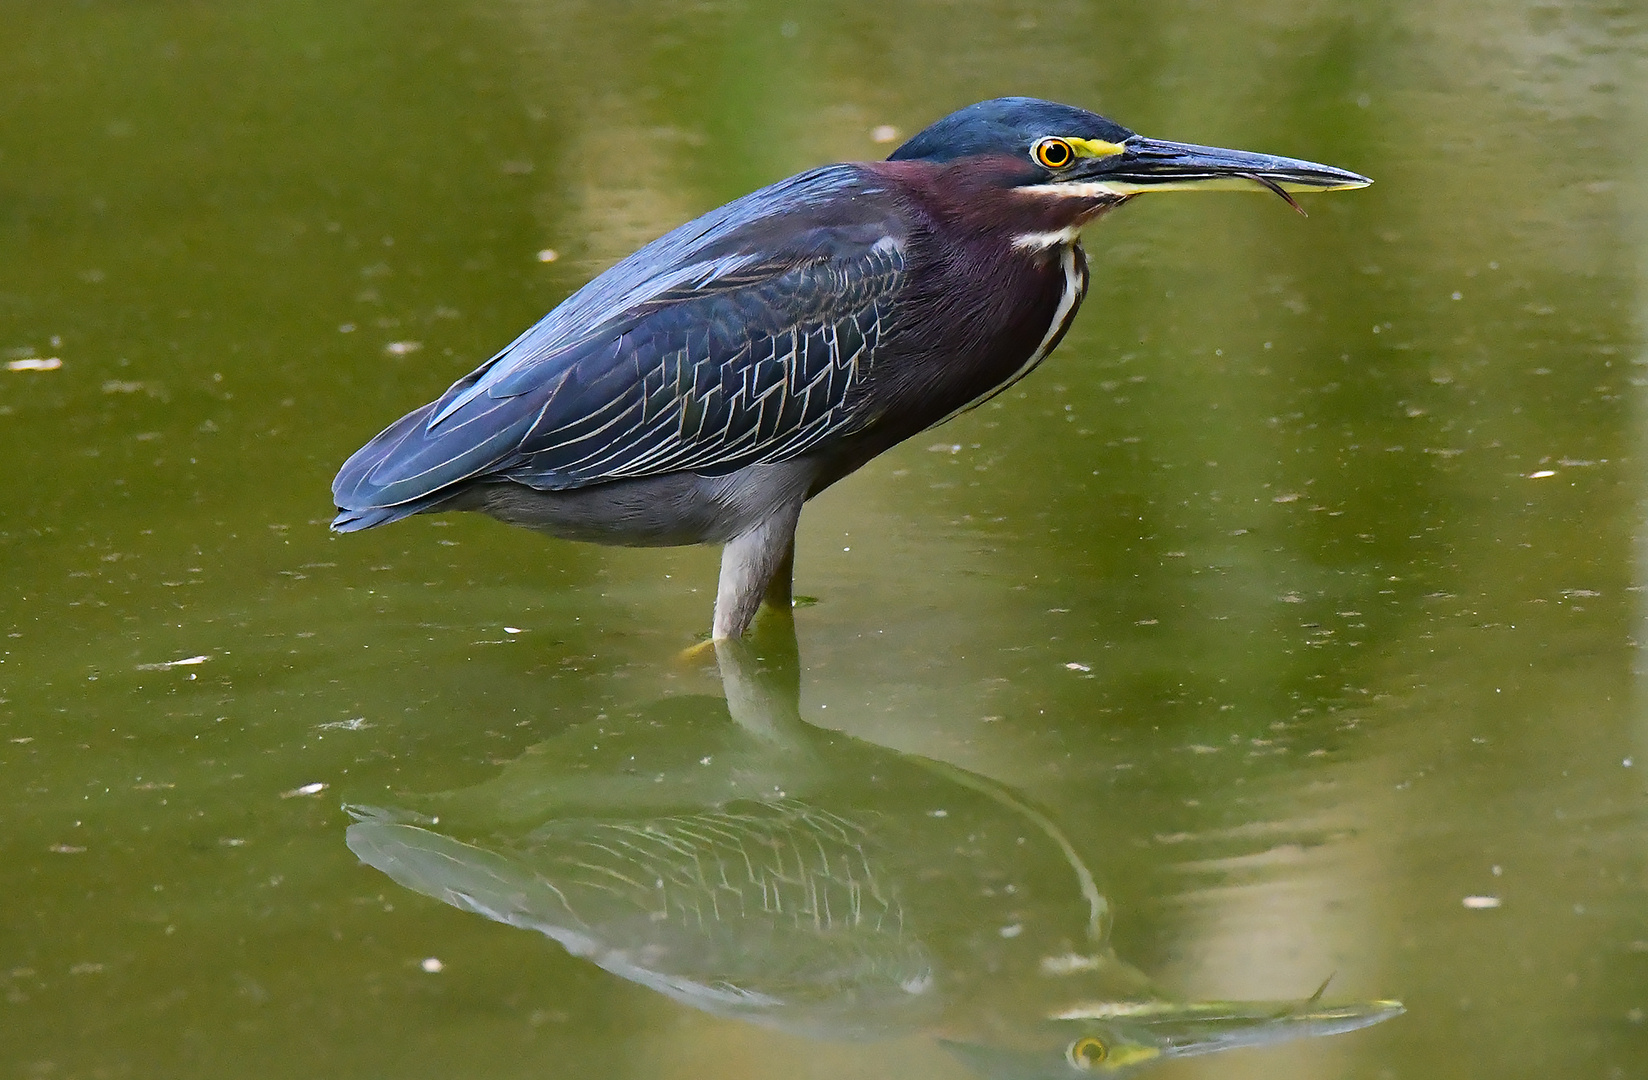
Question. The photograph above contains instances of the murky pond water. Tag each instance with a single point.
(1287, 623)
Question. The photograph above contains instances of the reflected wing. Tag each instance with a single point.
(770, 911)
(738, 338)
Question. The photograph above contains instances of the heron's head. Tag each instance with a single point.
(1063, 166)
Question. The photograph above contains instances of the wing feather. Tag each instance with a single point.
(738, 338)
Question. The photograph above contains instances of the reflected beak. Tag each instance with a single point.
(1155, 165)
(1132, 1035)
(1208, 1027)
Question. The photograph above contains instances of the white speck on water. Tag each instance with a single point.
(346, 328)
(1073, 666)
(1626, 763)
(706, 759)
(1497, 870)
(35, 363)
(548, 255)
(938, 813)
(1459, 296)
(432, 965)
(307, 789)
(1011, 931)
(512, 629)
(187, 661)
(1541, 474)
(883, 133)
(402, 348)
(1481, 903)
(920, 984)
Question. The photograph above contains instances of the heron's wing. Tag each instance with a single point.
(738, 338)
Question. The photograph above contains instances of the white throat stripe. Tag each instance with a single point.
(1041, 241)
(1091, 189)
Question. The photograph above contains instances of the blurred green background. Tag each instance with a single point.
(1303, 584)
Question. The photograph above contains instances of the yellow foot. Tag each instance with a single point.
(694, 655)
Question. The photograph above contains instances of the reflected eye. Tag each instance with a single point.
(1087, 1052)
(1053, 153)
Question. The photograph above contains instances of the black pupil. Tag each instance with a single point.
(1055, 153)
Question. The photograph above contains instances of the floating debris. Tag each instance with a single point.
(187, 661)
(548, 255)
(67, 849)
(1541, 474)
(35, 363)
(512, 629)
(432, 965)
(1073, 666)
(1481, 903)
(883, 133)
(1068, 964)
(354, 723)
(307, 789)
(402, 348)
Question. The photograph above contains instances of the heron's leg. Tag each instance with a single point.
(750, 563)
(779, 595)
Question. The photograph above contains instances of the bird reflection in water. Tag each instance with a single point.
(778, 873)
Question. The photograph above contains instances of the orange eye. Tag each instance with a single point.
(1053, 153)
(1087, 1052)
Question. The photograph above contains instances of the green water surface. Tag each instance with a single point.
(1301, 591)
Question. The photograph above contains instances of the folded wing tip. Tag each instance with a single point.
(349, 521)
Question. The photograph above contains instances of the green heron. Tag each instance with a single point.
(705, 387)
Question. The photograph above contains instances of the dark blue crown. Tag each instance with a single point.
(1004, 126)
